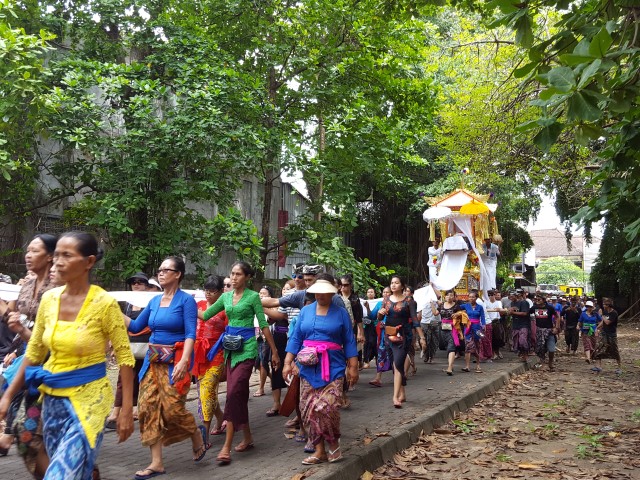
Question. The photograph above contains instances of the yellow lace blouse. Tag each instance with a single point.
(79, 344)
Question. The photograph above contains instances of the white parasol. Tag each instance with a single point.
(435, 213)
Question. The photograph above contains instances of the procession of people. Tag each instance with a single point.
(318, 335)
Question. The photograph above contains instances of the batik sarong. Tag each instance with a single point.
(385, 356)
(545, 341)
(71, 457)
(588, 342)
(162, 414)
(432, 337)
(607, 347)
(320, 408)
(208, 392)
(486, 347)
(520, 340)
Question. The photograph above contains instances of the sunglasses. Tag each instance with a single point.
(299, 276)
(162, 271)
(139, 282)
(228, 285)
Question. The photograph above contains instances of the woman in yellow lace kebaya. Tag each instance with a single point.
(73, 326)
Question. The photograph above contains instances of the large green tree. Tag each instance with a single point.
(586, 62)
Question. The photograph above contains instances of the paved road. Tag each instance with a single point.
(430, 393)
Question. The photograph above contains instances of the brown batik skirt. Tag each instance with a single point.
(161, 409)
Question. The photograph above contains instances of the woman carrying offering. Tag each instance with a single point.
(240, 349)
(451, 330)
(73, 327)
(208, 372)
(400, 313)
(324, 344)
(164, 377)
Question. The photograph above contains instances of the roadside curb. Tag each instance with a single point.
(383, 448)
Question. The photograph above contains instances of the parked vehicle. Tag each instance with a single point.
(549, 289)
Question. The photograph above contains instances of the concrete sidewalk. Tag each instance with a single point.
(372, 430)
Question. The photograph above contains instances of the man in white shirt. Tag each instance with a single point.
(493, 309)
(434, 253)
(490, 255)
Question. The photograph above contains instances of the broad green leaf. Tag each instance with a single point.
(547, 136)
(600, 43)
(572, 59)
(582, 49)
(524, 31)
(562, 78)
(582, 108)
(588, 73)
(586, 133)
(524, 70)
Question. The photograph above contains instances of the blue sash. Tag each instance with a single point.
(247, 333)
(36, 376)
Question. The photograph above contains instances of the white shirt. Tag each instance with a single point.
(490, 253)
(491, 316)
(428, 316)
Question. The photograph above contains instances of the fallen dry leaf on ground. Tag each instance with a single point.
(570, 424)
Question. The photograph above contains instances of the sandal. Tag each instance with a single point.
(219, 430)
(152, 473)
(334, 455)
(465, 369)
(309, 447)
(478, 370)
(243, 447)
(375, 383)
(223, 458)
(203, 449)
(448, 372)
(300, 437)
(313, 460)
(203, 432)
(274, 412)
(258, 394)
(293, 423)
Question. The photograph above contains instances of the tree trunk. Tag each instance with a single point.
(269, 171)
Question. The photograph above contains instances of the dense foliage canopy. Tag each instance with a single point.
(139, 119)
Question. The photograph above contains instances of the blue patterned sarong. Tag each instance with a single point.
(67, 446)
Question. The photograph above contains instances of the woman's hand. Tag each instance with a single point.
(382, 312)
(9, 358)
(275, 360)
(124, 424)
(14, 323)
(287, 371)
(179, 370)
(352, 375)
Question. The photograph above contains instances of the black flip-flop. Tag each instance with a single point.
(154, 473)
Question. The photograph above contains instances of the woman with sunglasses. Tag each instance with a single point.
(164, 377)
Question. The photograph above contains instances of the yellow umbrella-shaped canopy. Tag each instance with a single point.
(474, 208)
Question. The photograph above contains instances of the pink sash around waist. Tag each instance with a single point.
(322, 347)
